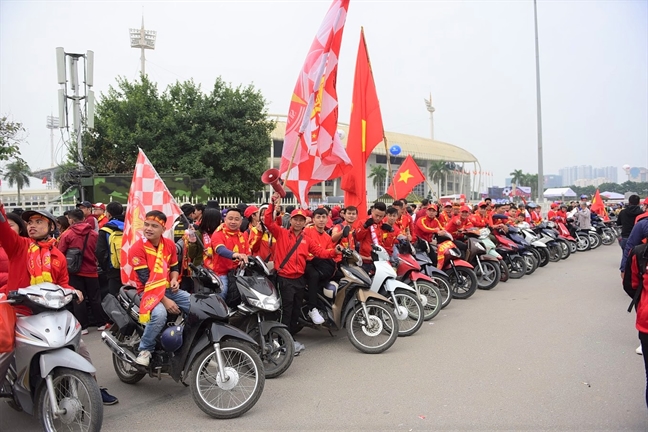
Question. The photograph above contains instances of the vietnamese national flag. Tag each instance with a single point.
(407, 176)
(598, 207)
(147, 192)
(312, 150)
(365, 131)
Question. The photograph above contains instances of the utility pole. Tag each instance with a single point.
(539, 107)
(52, 123)
(143, 39)
(430, 108)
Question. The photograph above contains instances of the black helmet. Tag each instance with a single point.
(29, 213)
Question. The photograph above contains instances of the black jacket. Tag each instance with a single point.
(626, 219)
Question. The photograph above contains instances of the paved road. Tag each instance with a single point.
(552, 351)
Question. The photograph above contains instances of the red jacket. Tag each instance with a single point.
(4, 270)
(74, 237)
(642, 308)
(285, 240)
(456, 224)
(364, 237)
(425, 228)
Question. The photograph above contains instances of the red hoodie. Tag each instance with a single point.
(74, 237)
(4, 270)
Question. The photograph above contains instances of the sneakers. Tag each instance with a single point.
(299, 347)
(639, 350)
(107, 398)
(84, 331)
(143, 358)
(104, 327)
(315, 316)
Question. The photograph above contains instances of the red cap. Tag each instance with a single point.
(250, 210)
(554, 205)
(433, 206)
(465, 209)
(99, 205)
(482, 204)
(299, 212)
(645, 201)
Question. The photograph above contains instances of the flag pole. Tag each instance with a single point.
(292, 158)
(389, 169)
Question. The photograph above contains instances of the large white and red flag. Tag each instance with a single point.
(148, 192)
(312, 150)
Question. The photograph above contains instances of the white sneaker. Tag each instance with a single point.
(315, 316)
(639, 350)
(84, 331)
(299, 347)
(143, 358)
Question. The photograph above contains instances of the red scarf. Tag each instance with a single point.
(156, 285)
(208, 251)
(39, 261)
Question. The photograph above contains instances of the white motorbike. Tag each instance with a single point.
(408, 307)
(49, 379)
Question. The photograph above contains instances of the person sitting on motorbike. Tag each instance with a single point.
(344, 233)
(480, 219)
(318, 270)
(371, 233)
(155, 261)
(446, 214)
(231, 247)
(427, 226)
(403, 220)
(457, 225)
(33, 260)
(202, 253)
(553, 212)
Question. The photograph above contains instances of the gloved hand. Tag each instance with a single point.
(368, 223)
(386, 227)
(346, 231)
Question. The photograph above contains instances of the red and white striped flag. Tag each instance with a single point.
(148, 192)
(311, 129)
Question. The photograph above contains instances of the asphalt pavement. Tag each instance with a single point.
(552, 351)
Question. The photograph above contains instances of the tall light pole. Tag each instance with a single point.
(539, 107)
(52, 123)
(430, 108)
(143, 39)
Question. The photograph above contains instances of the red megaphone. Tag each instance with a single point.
(271, 177)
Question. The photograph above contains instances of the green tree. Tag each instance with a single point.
(438, 172)
(379, 176)
(517, 176)
(223, 135)
(17, 173)
(10, 139)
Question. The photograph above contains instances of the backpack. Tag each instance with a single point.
(641, 252)
(74, 257)
(114, 245)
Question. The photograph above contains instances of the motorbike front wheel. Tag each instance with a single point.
(78, 394)
(232, 392)
(443, 284)
(608, 237)
(573, 247)
(595, 240)
(582, 243)
(544, 256)
(408, 311)
(490, 276)
(517, 267)
(279, 351)
(565, 246)
(531, 263)
(555, 252)
(370, 334)
(504, 271)
(432, 295)
(463, 282)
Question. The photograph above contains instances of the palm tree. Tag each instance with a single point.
(517, 176)
(437, 173)
(379, 176)
(17, 173)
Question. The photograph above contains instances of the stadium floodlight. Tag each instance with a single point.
(143, 39)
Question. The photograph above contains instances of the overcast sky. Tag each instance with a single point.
(476, 58)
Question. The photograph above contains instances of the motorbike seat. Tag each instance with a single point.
(131, 294)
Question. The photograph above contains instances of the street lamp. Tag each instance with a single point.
(143, 39)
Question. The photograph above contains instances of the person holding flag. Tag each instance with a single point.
(155, 261)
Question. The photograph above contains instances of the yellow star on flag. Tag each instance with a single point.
(404, 176)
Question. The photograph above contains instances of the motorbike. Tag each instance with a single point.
(524, 249)
(484, 237)
(607, 235)
(408, 306)
(218, 361)
(439, 277)
(487, 268)
(256, 313)
(557, 248)
(349, 303)
(539, 246)
(517, 266)
(49, 378)
(563, 235)
(408, 271)
(461, 274)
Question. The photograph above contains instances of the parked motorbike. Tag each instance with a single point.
(218, 361)
(408, 307)
(484, 237)
(409, 271)
(524, 249)
(256, 314)
(49, 379)
(487, 268)
(461, 274)
(349, 303)
(439, 277)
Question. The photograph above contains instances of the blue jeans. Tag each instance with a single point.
(225, 284)
(159, 317)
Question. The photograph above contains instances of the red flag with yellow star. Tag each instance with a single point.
(598, 207)
(365, 131)
(407, 176)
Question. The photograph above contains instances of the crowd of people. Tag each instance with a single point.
(303, 245)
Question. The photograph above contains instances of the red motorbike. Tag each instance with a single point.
(461, 273)
(408, 271)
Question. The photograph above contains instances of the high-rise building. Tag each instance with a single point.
(572, 175)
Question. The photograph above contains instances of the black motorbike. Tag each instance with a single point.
(219, 362)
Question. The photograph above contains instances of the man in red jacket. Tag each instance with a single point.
(82, 236)
(290, 266)
(371, 232)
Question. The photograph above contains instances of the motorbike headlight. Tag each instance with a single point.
(351, 276)
(51, 299)
(269, 303)
(453, 252)
(480, 247)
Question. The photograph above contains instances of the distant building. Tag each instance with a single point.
(581, 174)
(637, 174)
(553, 181)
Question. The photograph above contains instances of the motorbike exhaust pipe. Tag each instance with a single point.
(120, 352)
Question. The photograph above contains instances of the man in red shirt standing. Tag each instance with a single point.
(86, 208)
(155, 261)
(99, 211)
(292, 249)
